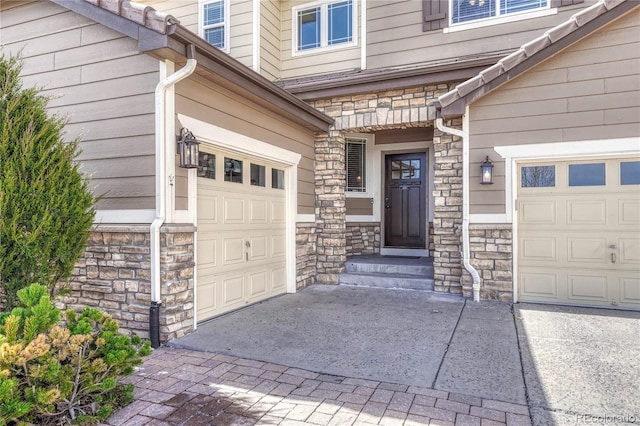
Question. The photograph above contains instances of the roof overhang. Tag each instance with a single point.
(161, 36)
(356, 81)
(454, 103)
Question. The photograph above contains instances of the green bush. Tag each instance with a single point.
(54, 374)
(46, 205)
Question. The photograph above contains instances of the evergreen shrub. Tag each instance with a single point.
(46, 205)
(62, 374)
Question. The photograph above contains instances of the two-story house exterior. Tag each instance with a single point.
(381, 69)
(338, 128)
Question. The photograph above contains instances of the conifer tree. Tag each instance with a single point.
(46, 204)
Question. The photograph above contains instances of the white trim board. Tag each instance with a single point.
(124, 216)
(237, 142)
(557, 150)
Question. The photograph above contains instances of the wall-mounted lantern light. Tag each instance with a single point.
(188, 149)
(487, 172)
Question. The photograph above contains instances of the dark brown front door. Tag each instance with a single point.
(404, 203)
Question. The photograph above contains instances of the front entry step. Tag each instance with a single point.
(408, 273)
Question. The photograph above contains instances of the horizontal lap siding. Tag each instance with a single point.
(213, 104)
(98, 80)
(339, 59)
(589, 91)
(395, 36)
(270, 39)
(241, 35)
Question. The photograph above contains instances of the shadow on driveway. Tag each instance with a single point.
(581, 365)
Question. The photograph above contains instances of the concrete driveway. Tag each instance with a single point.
(568, 365)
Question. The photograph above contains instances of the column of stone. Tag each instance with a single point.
(447, 217)
(177, 266)
(330, 181)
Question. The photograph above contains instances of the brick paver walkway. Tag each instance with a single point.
(182, 387)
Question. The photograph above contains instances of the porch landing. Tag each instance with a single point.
(390, 272)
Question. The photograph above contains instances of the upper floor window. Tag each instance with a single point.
(214, 23)
(471, 10)
(323, 24)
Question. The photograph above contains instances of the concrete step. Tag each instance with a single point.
(386, 280)
(421, 267)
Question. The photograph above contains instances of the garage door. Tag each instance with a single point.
(579, 231)
(241, 252)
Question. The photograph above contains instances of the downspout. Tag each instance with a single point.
(161, 201)
(465, 204)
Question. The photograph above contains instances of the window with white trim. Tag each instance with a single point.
(472, 10)
(356, 164)
(323, 24)
(214, 23)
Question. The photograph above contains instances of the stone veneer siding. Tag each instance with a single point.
(330, 180)
(177, 266)
(387, 109)
(363, 238)
(306, 257)
(114, 275)
(491, 249)
(447, 215)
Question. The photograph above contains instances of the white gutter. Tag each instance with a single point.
(465, 201)
(161, 144)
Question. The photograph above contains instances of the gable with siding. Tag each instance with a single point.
(589, 91)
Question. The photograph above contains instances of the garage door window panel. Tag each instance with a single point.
(232, 170)
(206, 165)
(538, 176)
(587, 174)
(277, 179)
(257, 175)
(630, 173)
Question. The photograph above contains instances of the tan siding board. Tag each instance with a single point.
(116, 127)
(85, 69)
(97, 34)
(543, 122)
(108, 109)
(36, 64)
(60, 22)
(606, 101)
(90, 54)
(116, 167)
(118, 68)
(601, 132)
(200, 100)
(359, 206)
(45, 44)
(54, 79)
(101, 90)
(29, 12)
(523, 109)
(600, 100)
(117, 148)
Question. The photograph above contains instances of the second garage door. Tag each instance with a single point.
(579, 232)
(241, 244)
